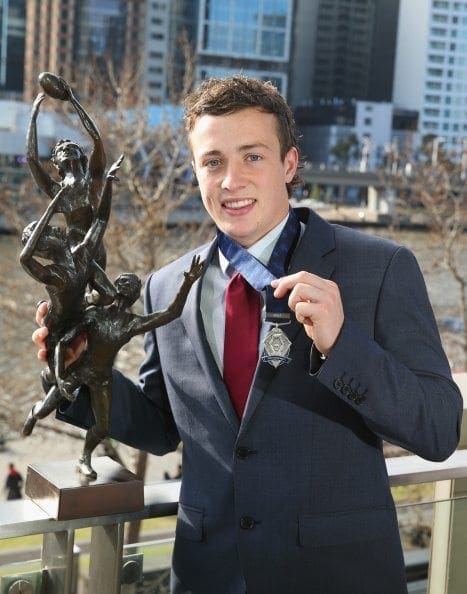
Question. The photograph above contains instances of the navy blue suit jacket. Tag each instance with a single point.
(295, 498)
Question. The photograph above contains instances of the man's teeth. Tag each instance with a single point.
(239, 203)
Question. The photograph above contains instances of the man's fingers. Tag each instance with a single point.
(304, 279)
(39, 336)
(304, 286)
(75, 349)
(41, 312)
(42, 355)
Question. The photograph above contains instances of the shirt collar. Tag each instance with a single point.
(262, 249)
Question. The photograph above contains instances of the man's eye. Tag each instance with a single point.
(254, 157)
(212, 163)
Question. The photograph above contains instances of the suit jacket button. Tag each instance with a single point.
(242, 452)
(346, 390)
(247, 523)
(338, 383)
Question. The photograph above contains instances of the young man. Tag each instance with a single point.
(284, 489)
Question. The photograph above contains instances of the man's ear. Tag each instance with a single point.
(291, 164)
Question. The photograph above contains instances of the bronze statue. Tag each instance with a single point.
(107, 329)
(80, 182)
(71, 267)
(76, 263)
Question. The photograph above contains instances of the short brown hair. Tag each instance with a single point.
(223, 96)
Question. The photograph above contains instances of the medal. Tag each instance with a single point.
(276, 347)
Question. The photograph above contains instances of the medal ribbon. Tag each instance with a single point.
(260, 276)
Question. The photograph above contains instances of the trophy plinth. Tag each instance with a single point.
(65, 494)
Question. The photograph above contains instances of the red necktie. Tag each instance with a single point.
(242, 319)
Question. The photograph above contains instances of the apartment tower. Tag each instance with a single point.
(67, 36)
(431, 66)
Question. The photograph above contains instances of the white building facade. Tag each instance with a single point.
(431, 68)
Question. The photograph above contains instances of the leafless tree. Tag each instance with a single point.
(437, 189)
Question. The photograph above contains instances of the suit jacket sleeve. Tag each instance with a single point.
(399, 380)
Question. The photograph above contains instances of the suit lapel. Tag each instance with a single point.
(192, 320)
(314, 253)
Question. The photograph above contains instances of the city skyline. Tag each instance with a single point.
(399, 63)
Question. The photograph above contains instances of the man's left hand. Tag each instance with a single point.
(317, 305)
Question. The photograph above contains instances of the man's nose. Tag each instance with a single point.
(233, 177)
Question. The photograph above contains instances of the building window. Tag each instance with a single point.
(251, 29)
(432, 98)
(438, 31)
(430, 125)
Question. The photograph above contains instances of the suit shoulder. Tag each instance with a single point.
(354, 240)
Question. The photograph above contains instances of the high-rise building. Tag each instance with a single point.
(249, 36)
(67, 36)
(12, 34)
(156, 50)
(343, 50)
(169, 25)
(341, 75)
(431, 66)
(226, 37)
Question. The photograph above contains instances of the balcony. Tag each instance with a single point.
(88, 555)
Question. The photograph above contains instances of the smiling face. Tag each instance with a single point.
(241, 175)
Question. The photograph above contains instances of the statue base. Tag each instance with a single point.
(65, 494)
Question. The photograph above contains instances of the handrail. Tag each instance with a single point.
(24, 517)
(409, 470)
